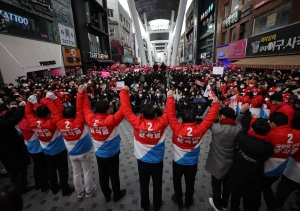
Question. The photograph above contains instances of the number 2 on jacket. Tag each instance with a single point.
(290, 138)
(67, 124)
(150, 126)
(190, 131)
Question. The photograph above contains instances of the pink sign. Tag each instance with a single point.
(56, 72)
(237, 49)
(105, 74)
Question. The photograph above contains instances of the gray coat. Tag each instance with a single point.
(222, 148)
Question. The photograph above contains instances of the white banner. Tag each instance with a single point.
(67, 35)
(218, 70)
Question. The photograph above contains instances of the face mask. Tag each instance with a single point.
(104, 94)
(167, 89)
(185, 89)
(69, 90)
(199, 106)
(151, 89)
(298, 97)
(255, 93)
(278, 89)
(144, 90)
(183, 96)
(9, 87)
(13, 106)
(271, 93)
(231, 87)
(296, 79)
(158, 95)
(140, 95)
(251, 85)
(242, 87)
(185, 103)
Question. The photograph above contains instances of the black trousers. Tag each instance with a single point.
(268, 192)
(284, 188)
(109, 169)
(19, 178)
(155, 170)
(58, 162)
(249, 203)
(220, 197)
(40, 171)
(189, 173)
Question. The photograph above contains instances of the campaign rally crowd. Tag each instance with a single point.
(254, 118)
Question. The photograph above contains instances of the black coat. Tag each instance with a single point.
(13, 152)
(245, 177)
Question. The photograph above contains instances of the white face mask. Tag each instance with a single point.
(242, 87)
(278, 89)
(255, 93)
(251, 85)
(298, 97)
(140, 95)
(69, 90)
(271, 93)
(185, 89)
(13, 106)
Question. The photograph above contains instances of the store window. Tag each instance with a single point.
(207, 41)
(224, 36)
(244, 30)
(127, 52)
(95, 44)
(114, 50)
(234, 5)
(121, 17)
(226, 10)
(273, 19)
(110, 13)
(232, 34)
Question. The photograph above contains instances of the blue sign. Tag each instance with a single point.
(221, 54)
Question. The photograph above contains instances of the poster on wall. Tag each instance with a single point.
(67, 35)
(271, 20)
(112, 32)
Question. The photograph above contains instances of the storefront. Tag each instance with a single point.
(72, 60)
(276, 49)
(27, 44)
(222, 55)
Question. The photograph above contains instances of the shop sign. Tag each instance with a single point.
(112, 22)
(271, 20)
(206, 13)
(42, 6)
(205, 55)
(233, 18)
(237, 49)
(246, 11)
(112, 32)
(46, 63)
(24, 24)
(282, 41)
(72, 56)
(261, 4)
(221, 54)
(97, 55)
(67, 35)
(4, 23)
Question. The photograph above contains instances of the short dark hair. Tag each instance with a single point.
(279, 119)
(261, 127)
(227, 112)
(188, 117)
(69, 112)
(9, 100)
(149, 111)
(102, 106)
(42, 111)
(277, 97)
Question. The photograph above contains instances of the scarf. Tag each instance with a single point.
(265, 138)
(228, 121)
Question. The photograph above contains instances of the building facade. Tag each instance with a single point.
(254, 28)
(91, 24)
(31, 38)
(121, 32)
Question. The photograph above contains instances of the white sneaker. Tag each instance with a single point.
(211, 201)
(80, 195)
(88, 195)
(224, 209)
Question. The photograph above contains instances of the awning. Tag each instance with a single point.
(287, 62)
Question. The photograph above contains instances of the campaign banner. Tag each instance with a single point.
(218, 70)
(56, 72)
(200, 83)
(105, 74)
(120, 84)
(237, 49)
(209, 93)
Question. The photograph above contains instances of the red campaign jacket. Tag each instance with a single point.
(269, 104)
(257, 101)
(187, 136)
(244, 99)
(45, 129)
(286, 109)
(149, 134)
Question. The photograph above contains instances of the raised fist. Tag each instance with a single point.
(32, 99)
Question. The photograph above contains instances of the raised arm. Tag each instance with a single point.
(126, 107)
(174, 124)
(29, 113)
(87, 111)
(241, 115)
(209, 119)
(79, 119)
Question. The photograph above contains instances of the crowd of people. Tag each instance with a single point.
(254, 118)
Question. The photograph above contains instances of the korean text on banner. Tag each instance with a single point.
(218, 70)
(56, 72)
(209, 93)
(200, 83)
(105, 74)
(120, 84)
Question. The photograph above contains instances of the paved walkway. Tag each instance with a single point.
(35, 200)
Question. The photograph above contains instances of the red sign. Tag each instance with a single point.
(237, 49)
(261, 4)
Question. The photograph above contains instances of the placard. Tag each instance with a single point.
(120, 84)
(218, 70)
(105, 74)
(56, 72)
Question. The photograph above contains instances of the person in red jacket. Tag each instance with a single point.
(186, 147)
(70, 122)
(104, 130)
(286, 142)
(256, 102)
(52, 143)
(244, 98)
(278, 105)
(149, 146)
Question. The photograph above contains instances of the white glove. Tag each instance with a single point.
(266, 99)
(32, 99)
(51, 95)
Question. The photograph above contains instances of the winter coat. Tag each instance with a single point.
(13, 152)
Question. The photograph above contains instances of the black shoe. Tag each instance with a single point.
(188, 205)
(175, 201)
(68, 192)
(107, 197)
(122, 194)
(26, 190)
(55, 189)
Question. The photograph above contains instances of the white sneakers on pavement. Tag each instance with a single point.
(211, 201)
(88, 195)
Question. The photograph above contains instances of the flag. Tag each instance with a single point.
(233, 103)
(200, 83)
(209, 93)
(115, 66)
